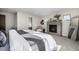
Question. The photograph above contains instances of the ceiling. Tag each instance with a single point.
(34, 11)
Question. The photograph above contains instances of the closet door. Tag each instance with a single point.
(65, 25)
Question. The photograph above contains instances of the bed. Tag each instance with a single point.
(28, 40)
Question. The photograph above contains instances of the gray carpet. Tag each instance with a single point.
(67, 44)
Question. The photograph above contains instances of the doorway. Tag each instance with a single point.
(2, 23)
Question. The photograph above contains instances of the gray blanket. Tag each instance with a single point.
(39, 43)
(21, 32)
(35, 39)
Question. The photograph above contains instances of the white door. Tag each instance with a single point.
(65, 25)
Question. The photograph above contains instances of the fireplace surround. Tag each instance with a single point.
(54, 27)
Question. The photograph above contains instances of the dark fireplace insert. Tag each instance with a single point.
(53, 28)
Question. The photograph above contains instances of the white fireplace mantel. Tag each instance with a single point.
(59, 26)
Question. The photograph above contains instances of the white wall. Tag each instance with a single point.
(22, 20)
(9, 20)
(36, 21)
(15, 20)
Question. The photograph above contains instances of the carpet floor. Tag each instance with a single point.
(66, 44)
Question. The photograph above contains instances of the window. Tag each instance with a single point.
(67, 17)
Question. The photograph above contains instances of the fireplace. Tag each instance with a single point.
(53, 28)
